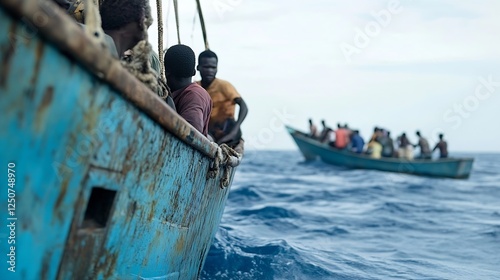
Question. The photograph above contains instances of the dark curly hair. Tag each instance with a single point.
(115, 14)
(207, 54)
(179, 61)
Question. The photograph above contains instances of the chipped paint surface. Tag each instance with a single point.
(104, 191)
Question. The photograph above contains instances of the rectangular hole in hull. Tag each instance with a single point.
(98, 208)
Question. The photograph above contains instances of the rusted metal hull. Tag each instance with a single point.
(106, 187)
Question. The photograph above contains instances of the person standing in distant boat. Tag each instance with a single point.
(396, 147)
(390, 144)
(357, 142)
(223, 127)
(349, 134)
(324, 136)
(313, 130)
(374, 149)
(341, 137)
(405, 148)
(442, 146)
(425, 151)
(387, 146)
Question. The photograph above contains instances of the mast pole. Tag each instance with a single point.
(202, 23)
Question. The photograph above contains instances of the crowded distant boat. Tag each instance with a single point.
(381, 144)
(344, 146)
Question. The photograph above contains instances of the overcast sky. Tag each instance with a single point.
(431, 65)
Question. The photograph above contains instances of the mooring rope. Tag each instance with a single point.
(160, 36)
(202, 23)
(223, 160)
(194, 25)
(139, 64)
(176, 8)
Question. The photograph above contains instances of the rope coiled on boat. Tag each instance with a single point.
(223, 160)
(139, 63)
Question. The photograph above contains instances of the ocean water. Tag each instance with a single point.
(288, 219)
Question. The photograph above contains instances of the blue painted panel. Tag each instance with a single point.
(69, 134)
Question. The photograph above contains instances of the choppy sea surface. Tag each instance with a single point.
(290, 219)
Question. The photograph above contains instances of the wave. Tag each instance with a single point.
(290, 219)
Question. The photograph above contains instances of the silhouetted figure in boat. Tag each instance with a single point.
(390, 143)
(357, 142)
(313, 129)
(405, 148)
(442, 146)
(324, 136)
(376, 133)
(374, 149)
(387, 144)
(425, 151)
(223, 126)
(349, 134)
(341, 137)
(396, 147)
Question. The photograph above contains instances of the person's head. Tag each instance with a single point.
(375, 129)
(323, 123)
(124, 21)
(403, 135)
(207, 65)
(310, 121)
(355, 132)
(388, 134)
(346, 126)
(339, 126)
(418, 133)
(441, 136)
(179, 65)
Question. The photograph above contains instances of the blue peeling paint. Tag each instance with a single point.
(69, 134)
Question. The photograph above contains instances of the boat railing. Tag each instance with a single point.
(62, 31)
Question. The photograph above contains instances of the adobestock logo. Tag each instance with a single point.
(454, 117)
(224, 6)
(471, 103)
(267, 134)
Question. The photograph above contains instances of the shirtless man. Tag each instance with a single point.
(425, 151)
(313, 130)
(442, 146)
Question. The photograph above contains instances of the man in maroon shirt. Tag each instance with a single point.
(192, 101)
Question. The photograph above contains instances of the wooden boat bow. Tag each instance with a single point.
(52, 23)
